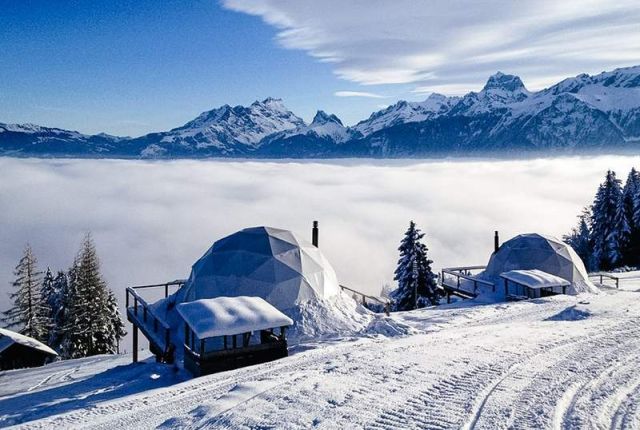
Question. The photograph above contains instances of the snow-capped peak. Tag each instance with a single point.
(270, 103)
(239, 124)
(322, 118)
(404, 112)
(501, 81)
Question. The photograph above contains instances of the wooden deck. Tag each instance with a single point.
(143, 319)
(460, 282)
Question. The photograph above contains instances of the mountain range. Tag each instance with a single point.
(599, 113)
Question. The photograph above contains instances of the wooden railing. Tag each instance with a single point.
(386, 304)
(456, 285)
(601, 276)
(143, 317)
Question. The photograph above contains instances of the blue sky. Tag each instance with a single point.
(131, 67)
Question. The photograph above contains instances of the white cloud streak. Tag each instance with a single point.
(152, 220)
(444, 44)
(358, 94)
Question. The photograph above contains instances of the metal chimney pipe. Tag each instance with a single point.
(496, 242)
(314, 234)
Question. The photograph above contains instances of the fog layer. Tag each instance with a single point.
(152, 220)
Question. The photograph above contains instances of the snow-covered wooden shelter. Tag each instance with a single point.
(230, 332)
(18, 351)
(532, 284)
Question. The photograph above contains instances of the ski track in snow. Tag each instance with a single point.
(493, 366)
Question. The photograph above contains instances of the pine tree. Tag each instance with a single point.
(631, 207)
(58, 306)
(72, 337)
(26, 313)
(47, 303)
(579, 238)
(93, 323)
(416, 282)
(608, 224)
(116, 325)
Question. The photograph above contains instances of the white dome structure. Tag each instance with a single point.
(545, 253)
(274, 264)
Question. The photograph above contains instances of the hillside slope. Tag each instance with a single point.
(565, 361)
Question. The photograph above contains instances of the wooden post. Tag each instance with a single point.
(135, 344)
(166, 290)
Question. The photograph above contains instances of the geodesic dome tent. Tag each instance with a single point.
(266, 262)
(545, 253)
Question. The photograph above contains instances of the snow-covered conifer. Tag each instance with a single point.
(631, 207)
(26, 314)
(59, 303)
(608, 224)
(579, 238)
(91, 324)
(416, 282)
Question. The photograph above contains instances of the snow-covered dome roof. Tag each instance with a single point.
(266, 262)
(545, 253)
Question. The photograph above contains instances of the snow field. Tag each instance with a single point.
(561, 362)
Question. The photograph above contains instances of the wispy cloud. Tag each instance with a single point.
(358, 94)
(451, 43)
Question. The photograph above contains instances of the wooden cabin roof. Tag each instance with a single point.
(8, 338)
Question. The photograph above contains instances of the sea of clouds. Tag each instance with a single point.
(152, 219)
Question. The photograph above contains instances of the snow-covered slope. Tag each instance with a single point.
(30, 139)
(318, 139)
(580, 114)
(560, 362)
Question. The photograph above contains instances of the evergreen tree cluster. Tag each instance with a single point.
(608, 232)
(417, 286)
(74, 312)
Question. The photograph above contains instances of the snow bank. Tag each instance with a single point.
(340, 316)
(570, 314)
